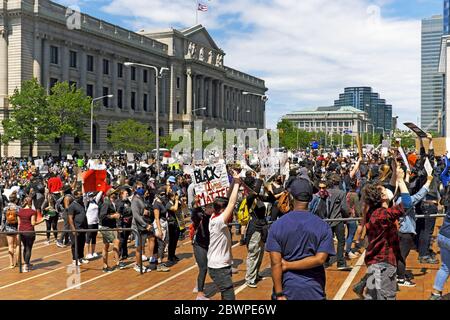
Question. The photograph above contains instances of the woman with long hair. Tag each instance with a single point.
(10, 225)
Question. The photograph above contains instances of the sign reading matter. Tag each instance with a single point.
(210, 182)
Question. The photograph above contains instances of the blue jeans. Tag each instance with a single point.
(442, 275)
(351, 228)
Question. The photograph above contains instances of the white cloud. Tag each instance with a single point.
(307, 51)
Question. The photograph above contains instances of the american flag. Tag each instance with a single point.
(202, 7)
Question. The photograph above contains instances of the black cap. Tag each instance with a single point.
(301, 189)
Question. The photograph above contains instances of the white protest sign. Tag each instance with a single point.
(39, 163)
(384, 151)
(210, 182)
(265, 158)
(402, 153)
(130, 157)
(428, 167)
(69, 157)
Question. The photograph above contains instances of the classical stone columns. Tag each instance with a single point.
(37, 61)
(209, 111)
(3, 65)
(189, 92)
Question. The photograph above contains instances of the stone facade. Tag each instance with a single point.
(36, 41)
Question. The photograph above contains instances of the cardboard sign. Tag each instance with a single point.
(210, 182)
(265, 158)
(428, 167)
(419, 132)
(69, 157)
(130, 157)
(359, 144)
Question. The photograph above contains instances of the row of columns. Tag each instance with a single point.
(222, 101)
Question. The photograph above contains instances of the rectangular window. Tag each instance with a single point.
(73, 59)
(145, 76)
(53, 81)
(178, 107)
(120, 98)
(119, 70)
(133, 73)
(178, 82)
(90, 90)
(106, 99)
(145, 104)
(105, 66)
(133, 100)
(90, 63)
(71, 83)
(54, 55)
(341, 123)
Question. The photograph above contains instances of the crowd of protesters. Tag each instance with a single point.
(328, 208)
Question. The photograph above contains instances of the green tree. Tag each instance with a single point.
(131, 135)
(28, 120)
(69, 109)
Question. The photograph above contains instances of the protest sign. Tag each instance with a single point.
(405, 160)
(69, 157)
(428, 167)
(266, 158)
(130, 157)
(39, 163)
(210, 182)
(95, 180)
(419, 132)
(359, 144)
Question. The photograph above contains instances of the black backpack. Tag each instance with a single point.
(321, 209)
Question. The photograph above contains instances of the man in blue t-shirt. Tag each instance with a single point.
(299, 243)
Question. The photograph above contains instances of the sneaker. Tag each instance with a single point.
(170, 263)
(428, 260)
(251, 284)
(74, 262)
(435, 296)
(162, 268)
(89, 256)
(107, 270)
(352, 255)
(25, 269)
(121, 266)
(359, 289)
(234, 270)
(83, 261)
(144, 258)
(345, 268)
(405, 283)
(153, 260)
(95, 255)
(60, 245)
(259, 278)
(137, 268)
(195, 290)
(202, 298)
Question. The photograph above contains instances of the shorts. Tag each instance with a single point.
(108, 236)
(138, 240)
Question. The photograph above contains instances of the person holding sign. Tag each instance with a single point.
(219, 250)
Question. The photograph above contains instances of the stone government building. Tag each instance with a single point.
(36, 41)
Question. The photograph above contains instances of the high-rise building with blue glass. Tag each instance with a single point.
(446, 16)
(432, 81)
(363, 98)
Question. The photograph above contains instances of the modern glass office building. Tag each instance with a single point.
(363, 98)
(432, 80)
(446, 16)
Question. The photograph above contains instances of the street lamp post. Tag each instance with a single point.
(92, 116)
(158, 74)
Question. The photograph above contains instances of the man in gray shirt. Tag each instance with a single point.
(140, 226)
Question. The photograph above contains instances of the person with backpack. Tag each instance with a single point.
(199, 234)
(92, 204)
(277, 190)
(10, 225)
(50, 216)
(321, 201)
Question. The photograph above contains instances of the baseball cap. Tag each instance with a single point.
(301, 189)
(172, 179)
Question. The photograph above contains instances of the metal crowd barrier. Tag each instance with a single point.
(19, 233)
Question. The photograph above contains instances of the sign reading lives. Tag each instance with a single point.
(210, 182)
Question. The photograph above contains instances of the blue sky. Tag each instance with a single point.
(308, 50)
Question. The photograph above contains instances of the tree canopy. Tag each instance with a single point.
(131, 135)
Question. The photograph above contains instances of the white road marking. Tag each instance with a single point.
(347, 283)
(167, 280)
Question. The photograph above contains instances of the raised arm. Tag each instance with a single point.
(355, 168)
(228, 212)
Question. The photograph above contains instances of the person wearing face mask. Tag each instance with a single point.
(142, 229)
(277, 189)
(76, 216)
(160, 208)
(126, 218)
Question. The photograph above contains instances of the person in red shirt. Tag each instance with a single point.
(54, 184)
(27, 220)
(383, 250)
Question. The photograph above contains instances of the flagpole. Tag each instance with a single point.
(196, 12)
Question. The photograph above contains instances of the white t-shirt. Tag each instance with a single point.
(219, 251)
(92, 210)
